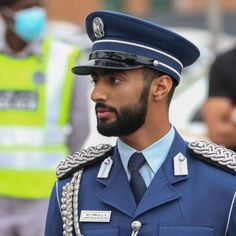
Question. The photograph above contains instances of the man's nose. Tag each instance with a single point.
(99, 93)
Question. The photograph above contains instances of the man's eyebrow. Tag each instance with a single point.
(107, 72)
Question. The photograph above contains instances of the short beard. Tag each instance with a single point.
(129, 119)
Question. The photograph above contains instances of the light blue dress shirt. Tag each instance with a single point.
(155, 155)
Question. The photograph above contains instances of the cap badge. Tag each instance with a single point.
(98, 27)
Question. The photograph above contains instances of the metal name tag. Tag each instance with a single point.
(95, 216)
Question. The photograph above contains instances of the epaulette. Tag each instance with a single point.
(214, 154)
(83, 158)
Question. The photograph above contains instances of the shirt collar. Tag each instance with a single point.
(155, 154)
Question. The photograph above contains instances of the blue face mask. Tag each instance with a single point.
(29, 23)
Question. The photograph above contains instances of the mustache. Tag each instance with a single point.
(103, 105)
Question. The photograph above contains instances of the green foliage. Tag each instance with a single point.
(114, 4)
(162, 5)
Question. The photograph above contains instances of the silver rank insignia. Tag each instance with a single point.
(105, 168)
(180, 165)
(98, 28)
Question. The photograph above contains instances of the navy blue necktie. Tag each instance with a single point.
(137, 183)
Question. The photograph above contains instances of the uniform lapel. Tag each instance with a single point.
(117, 192)
(162, 189)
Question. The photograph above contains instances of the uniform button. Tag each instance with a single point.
(156, 63)
(136, 226)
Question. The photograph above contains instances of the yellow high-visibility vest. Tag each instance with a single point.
(35, 97)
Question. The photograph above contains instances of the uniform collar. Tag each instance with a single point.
(158, 149)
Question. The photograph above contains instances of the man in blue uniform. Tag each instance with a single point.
(152, 182)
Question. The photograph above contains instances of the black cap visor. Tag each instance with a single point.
(112, 60)
(102, 64)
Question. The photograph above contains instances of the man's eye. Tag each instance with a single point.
(114, 80)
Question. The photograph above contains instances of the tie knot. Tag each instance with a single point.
(136, 161)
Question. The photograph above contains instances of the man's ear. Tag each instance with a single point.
(161, 86)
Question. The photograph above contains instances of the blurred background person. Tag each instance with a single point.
(40, 115)
(219, 111)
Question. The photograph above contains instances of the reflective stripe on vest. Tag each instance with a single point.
(31, 136)
(56, 71)
(30, 160)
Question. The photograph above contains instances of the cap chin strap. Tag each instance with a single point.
(132, 60)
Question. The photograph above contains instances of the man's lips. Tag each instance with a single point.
(102, 113)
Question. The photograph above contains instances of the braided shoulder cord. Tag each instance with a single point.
(69, 206)
(75, 203)
(70, 192)
(216, 153)
(81, 158)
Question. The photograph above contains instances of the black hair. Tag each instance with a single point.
(151, 74)
(6, 3)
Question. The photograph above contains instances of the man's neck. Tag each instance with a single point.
(145, 136)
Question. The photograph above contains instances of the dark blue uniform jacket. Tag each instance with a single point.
(200, 204)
